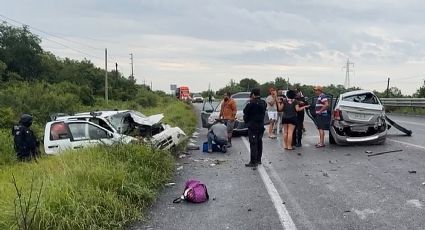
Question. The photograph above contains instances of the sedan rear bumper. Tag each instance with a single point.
(347, 140)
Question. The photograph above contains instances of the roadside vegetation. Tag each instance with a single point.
(99, 188)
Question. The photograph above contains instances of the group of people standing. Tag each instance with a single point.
(287, 109)
(292, 114)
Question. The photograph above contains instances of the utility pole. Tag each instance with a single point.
(106, 76)
(151, 86)
(347, 73)
(287, 84)
(132, 73)
(388, 88)
(116, 69)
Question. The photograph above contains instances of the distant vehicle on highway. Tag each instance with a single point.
(241, 95)
(182, 93)
(358, 117)
(197, 98)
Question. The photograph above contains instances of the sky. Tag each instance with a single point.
(206, 43)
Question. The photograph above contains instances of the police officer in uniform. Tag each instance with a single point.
(26, 144)
(254, 113)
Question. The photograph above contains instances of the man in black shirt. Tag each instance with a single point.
(254, 113)
(26, 144)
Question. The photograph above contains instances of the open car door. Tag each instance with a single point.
(311, 111)
(207, 109)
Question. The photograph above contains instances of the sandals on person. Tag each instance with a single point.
(319, 145)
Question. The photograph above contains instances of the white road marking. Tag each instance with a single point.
(284, 217)
(406, 143)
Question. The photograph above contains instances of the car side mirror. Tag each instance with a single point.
(110, 135)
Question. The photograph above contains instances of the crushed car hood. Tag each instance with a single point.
(149, 121)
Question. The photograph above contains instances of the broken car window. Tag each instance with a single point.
(362, 98)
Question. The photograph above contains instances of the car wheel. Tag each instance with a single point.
(331, 138)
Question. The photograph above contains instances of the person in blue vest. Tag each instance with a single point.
(322, 116)
(25, 142)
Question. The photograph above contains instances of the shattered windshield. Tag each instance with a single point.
(362, 98)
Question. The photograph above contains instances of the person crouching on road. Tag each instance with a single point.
(322, 105)
(218, 134)
(25, 142)
(272, 111)
(228, 113)
(254, 113)
(289, 120)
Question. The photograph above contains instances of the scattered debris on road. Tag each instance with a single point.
(249, 209)
(325, 174)
(412, 171)
(180, 168)
(169, 184)
(212, 165)
(192, 146)
(368, 151)
(380, 153)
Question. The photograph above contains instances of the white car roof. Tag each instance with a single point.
(355, 92)
(105, 113)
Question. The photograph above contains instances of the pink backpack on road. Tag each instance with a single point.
(194, 191)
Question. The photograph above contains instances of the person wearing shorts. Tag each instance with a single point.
(272, 110)
(322, 118)
(289, 120)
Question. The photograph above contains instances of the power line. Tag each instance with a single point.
(59, 43)
(53, 35)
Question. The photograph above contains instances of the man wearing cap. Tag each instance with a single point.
(322, 105)
(228, 113)
(254, 113)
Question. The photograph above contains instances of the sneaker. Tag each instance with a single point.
(229, 145)
(251, 165)
(259, 163)
(298, 145)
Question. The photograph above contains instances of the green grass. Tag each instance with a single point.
(97, 188)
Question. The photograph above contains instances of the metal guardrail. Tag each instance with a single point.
(404, 102)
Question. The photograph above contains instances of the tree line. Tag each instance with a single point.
(36, 81)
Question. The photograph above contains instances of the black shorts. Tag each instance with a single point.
(322, 121)
(289, 120)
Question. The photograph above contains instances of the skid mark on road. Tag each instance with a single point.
(284, 217)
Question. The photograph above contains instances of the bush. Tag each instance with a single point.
(7, 153)
(97, 188)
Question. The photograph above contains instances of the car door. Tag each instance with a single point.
(57, 137)
(207, 109)
(85, 134)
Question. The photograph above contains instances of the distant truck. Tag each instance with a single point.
(182, 93)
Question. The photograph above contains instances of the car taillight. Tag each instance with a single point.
(337, 114)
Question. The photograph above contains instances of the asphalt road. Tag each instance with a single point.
(336, 187)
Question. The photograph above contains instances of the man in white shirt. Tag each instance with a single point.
(272, 111)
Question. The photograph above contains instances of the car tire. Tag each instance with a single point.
(331, 138)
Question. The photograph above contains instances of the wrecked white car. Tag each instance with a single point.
(358, 117)
(108, 127)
